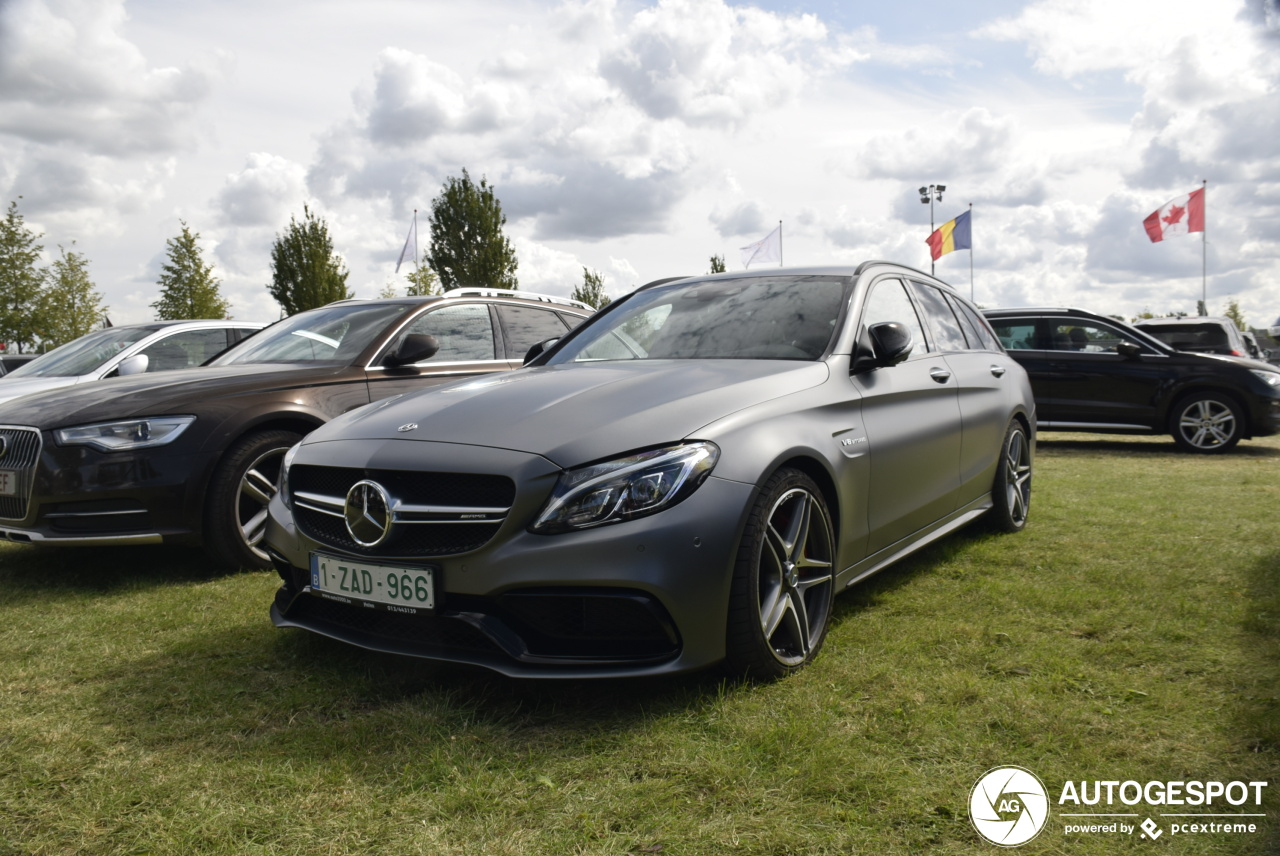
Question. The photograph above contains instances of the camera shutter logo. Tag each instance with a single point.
(368, 513)
(1008, 806)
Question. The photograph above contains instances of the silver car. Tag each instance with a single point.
(689, 477)
(120, 351)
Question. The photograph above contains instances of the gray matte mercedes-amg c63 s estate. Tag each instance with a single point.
(689, 477)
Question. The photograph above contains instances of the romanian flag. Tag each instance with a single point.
(952, 235)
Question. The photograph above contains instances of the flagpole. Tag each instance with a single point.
(416, 266)
(779, 243)
(971, 251)
(1204, 248)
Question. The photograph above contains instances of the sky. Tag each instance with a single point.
(638, 139)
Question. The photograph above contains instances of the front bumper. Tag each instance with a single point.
(77, 495)
(648, 596)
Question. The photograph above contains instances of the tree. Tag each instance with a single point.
(188, 288)
(591, 291)
(423, 282)
(467, 244)
(20, 279)
(717, 265)
(70, 305)
(1201, 309)
(1237, 317)
(305, 270)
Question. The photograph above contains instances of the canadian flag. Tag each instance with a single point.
(1177, 217)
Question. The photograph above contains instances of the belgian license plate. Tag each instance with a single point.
(8, 482)
(396, 587)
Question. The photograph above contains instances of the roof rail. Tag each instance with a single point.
(527, 295)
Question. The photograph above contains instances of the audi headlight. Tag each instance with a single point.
(626, 488)
(1269, 378)
(126, 435)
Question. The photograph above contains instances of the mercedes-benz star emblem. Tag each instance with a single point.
(368, 513)
(408, 426)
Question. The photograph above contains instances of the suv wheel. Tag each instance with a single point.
(242, 486)
(783, 582)
(1206, 422)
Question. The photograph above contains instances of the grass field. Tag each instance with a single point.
(1132, 632)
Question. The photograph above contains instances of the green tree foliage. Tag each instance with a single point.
(423, 282)
(1236, 315)
(188, 288)
(305, 270)
(1201, 309)
(70, 305)
(467, 244)
(591, 291)
(717, 265)
(20, 280)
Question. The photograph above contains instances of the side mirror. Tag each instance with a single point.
(414, 348)
(137, 364)
(882, 345)
(1128, 350)
(538, 349)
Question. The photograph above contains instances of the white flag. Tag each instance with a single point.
(767, 249)
(410, 241)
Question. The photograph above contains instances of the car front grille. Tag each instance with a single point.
(435, 514)
(20, 453)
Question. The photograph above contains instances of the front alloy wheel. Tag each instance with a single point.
(1207, 423)
(784, 580)
(245, 481)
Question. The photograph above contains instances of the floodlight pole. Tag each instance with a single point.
(929, 194)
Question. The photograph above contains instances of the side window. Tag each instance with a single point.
(888, 301)
(975, 328)
(1017, 334)
(185, 349)
(942, 323)
(464, 331)
(1085, 337)
(525, 326)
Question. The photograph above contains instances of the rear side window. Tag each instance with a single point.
(525, 326)
(941, 321)
(975, 328)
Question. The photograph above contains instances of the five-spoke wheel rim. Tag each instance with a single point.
(257, 486)
(1207, 424)
(1017, 476)
(795, 576)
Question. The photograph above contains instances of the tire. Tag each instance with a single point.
(236, 511)
(1011, 491)
(783, 580)
(1206, 422)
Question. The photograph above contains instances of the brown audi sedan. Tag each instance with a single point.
(194, 456)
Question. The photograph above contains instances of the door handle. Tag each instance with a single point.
(940, 375)
(998, 371)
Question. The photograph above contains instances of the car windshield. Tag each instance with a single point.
(331, 334)
(85, 354)
(756, 317)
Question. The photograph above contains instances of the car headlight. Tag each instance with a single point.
(626, 488)
(126, 435)
(1269, 378)
(284, 472)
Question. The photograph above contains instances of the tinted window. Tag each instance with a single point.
(940, 319)
(1017, 335)
(464, 331)
(1084, 336)
(525, 326)
(975, 329)
(888, 301)
(185, 349)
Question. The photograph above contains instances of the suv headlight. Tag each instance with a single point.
(1269, 378)
(626, 488)
(126, 435)
(284, 472)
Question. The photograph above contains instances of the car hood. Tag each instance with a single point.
(11, 388)
(574, 414)
(171, 392)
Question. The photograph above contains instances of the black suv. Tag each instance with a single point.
(1093, 373)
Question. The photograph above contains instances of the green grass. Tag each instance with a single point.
(1132, 632)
